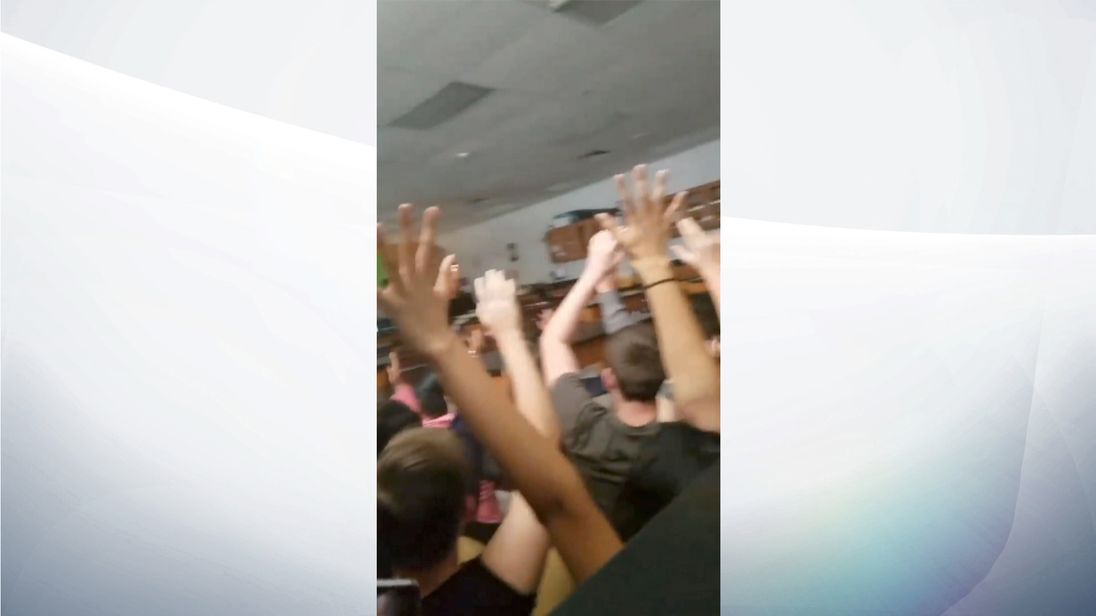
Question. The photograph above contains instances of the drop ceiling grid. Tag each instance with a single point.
(563, 87)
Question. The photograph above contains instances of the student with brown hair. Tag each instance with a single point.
(602, 441)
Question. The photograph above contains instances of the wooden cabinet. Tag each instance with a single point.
(566, 244)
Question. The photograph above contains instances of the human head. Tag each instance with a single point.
(634, 364)
(394, 417)
(432, 397)
(421, 478)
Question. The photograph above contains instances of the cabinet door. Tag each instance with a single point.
(565, 244)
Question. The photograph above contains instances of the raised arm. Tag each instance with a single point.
(546, 480)
(701, 250)
(556, 356)
(498, 311)
(517, 550)
(614, 314)
(681, 342)
(401, 389)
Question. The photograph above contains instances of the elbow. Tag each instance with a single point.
(550, 337)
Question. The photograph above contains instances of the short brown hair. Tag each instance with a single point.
(632, 355)
(421, 478)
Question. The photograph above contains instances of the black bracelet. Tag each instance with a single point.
(658, 282)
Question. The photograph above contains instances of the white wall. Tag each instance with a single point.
(188, 353)
(483, 246)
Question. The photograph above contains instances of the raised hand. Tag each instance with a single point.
(414, 297)
(394, 369)
(448, 282)
(701, 250)
(603, 254)
(496, 303)
(476, 340)
(543, 317)
(646, 229)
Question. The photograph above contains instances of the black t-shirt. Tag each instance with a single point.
(666, 465)
(475, 590)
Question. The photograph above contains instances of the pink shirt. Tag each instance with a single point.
(487, 510)
(406, 394)
(442, 422)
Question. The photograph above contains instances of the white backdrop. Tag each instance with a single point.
(188, 352)
(910, 419)
(919, 115)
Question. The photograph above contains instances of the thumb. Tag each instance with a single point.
(684, 254)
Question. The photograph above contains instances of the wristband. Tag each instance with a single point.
(658, 282)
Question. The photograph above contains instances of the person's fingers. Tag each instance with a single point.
(489, 284)
(625, 195)
(384, 300)
(683, 254)
(690, 231)
(641, 195)
(609, 224)
(445, 285)
(658, 192)
(454, 277)
(672, 211)
(480, 285)
(427, 234)
(405, 250)
(384, 253)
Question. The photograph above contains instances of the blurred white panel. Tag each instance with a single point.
(307, 62)
(937, 116)
(187, 352)
(911, 419)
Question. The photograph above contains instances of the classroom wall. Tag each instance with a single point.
(483, 246)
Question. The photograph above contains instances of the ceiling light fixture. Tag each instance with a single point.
(593, 154)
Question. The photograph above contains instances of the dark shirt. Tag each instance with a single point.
(602, 447)
(670, 568)
(665, 466)
(474, 590)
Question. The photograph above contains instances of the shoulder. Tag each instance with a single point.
(570, 393)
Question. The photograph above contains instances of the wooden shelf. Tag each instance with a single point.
(568, 243)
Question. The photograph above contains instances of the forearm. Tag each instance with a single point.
(710, 275)
(530, 394)
(561, 327)
(614, 314)
(533, 462)
(681, 343)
